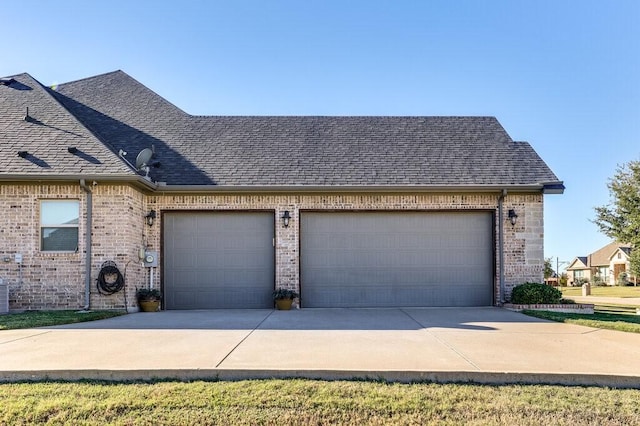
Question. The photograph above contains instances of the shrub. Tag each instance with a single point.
(579, 281)
(534, 293)
(623, 279)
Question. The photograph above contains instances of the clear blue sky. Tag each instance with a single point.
(562, 75)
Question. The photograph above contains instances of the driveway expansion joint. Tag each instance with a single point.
(25, 337)
(412, 318)
(443, 342)
(243, 339)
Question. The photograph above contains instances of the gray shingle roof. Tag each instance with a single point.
(306, 150)
(45, 136)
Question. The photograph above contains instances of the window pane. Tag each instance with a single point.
(60, 212)
(59, 239)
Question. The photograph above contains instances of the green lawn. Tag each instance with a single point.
(48, 318)
(614, 315)
(309, 402)
(612, 321)
(605, 291)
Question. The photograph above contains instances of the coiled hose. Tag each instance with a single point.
(110, 280)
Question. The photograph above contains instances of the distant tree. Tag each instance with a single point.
(548, 268)
(621, 218)
(563, 279)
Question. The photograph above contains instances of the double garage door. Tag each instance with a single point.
(347, 259)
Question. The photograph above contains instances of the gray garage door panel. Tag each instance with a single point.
(378, 259)
(218, 260)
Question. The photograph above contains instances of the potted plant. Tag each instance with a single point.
(284, 298)
(148, 299)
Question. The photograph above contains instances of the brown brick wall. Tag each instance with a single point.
(524, 260)
(45, 280)
(56, 281)
(119, 231)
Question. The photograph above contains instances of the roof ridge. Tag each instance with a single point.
(132, 79)
(19, 75)
(94, 76)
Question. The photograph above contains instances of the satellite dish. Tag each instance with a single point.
(142, 160)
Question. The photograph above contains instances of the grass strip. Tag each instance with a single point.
(610, 321)
(31, 319)
(309, 402)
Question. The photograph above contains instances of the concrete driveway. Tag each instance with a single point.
(487, 345)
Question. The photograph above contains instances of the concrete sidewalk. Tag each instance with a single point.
(485, 345)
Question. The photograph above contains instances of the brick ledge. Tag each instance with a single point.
(577, 308)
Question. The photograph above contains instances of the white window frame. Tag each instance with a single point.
(73, 203)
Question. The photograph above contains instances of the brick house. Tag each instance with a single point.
(348, 211)
(603, 266)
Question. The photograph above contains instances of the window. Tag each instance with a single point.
(578, 274)
(601, 275)
(59, 225)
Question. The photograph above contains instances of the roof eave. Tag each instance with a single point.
(161, 187)
(35, 178)
(553, 187)
(140, 181)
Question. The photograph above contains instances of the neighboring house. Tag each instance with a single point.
(603, 266)
(349, 211)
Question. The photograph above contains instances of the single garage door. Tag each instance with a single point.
(390, 259)
(218, 260)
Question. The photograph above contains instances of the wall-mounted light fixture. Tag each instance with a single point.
(285, 218)
(150, 217)
(513, 217)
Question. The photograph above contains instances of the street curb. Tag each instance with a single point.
(471, 377)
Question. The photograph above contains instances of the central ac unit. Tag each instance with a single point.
(4, 298)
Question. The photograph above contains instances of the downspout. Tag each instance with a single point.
(87, 263)
(501, 244)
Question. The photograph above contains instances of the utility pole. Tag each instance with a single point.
(558, 263)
